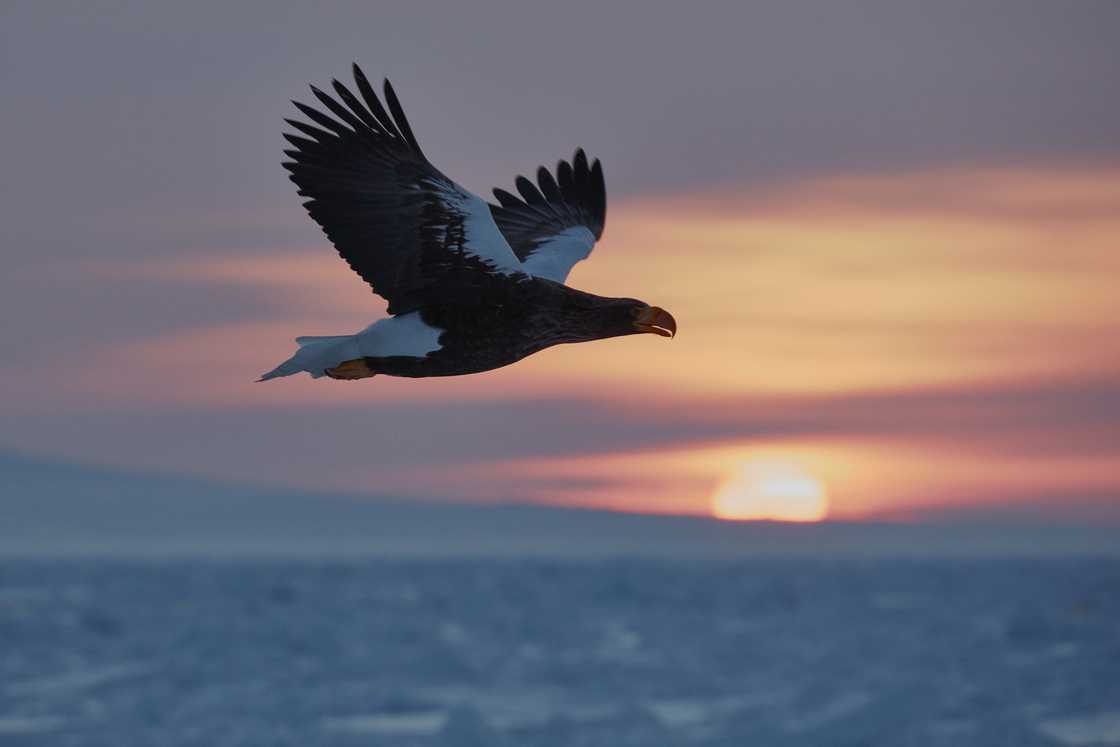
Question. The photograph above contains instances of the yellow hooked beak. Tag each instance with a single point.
(656, 320)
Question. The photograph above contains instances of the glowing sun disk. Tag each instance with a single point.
(774, 491)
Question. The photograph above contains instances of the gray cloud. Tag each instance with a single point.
(133, 110)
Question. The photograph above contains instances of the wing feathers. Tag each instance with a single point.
(401, 119)
(505, 198)
(579, 163)
(528, 191)
(313, 132)
(339, 110)
(374, 104)
(302, 144)
(413, 234)
(565, 177)
(548, 185)
(356, 107)
(545, 218)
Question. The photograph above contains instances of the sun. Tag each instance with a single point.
(773, 490)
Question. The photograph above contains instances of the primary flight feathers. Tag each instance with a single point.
(371, 185)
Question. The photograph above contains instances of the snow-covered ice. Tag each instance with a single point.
(524, 652)
(1099, 729)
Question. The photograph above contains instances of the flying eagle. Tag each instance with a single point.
(471, 286)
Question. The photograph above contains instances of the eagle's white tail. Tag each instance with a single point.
(316, 354)
(406, 335)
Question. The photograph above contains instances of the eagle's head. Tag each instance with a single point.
(581, 317)
(653, 319)
(629, 316)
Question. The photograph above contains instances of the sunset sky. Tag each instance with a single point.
(889, 233)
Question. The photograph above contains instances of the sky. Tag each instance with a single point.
(889, 233)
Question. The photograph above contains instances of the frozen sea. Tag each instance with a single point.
(606, 652)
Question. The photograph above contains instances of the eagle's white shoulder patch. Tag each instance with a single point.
(555, 256)
(481, 236)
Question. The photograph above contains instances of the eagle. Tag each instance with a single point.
(471, 286)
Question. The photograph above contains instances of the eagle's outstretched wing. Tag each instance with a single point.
(413, 234)
(557, 221)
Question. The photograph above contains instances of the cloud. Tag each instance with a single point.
(133, 141)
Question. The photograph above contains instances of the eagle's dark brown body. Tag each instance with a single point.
(510, 322)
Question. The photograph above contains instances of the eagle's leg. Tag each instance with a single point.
(351, 370)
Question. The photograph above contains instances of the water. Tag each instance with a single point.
(515, 652)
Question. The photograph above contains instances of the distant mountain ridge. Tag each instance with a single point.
(54, 507)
